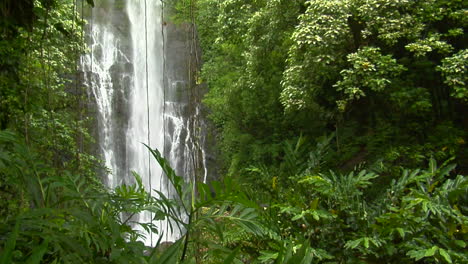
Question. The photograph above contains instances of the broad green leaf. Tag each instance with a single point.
(314, 204)
(315, 216)
(38, 253)
(308, 255)
(430, 252)
(445, 255)
(230, 259)
(460, 243)
(353, 243)
(432, 166)
(401, 232)
(297, 217)
(416, 254)
(366, 242)
(266, 256)
(169, 255)
(10, 245)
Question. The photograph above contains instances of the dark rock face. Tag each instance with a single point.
(109, 26)
(186, 143)
(183, 104)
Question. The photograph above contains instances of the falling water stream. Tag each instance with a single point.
(140, 97)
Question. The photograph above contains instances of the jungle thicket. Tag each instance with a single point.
(340, 125)
(333, 115)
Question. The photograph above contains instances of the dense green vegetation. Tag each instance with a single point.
(333, 115)
(387, 78)
(340, 125)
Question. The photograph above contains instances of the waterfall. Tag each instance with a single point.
(146, 96)
(108, 73)
(141, 94)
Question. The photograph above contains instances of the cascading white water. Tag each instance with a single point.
(146, 99)
(97, 65)
(142, 97)
(125, 75)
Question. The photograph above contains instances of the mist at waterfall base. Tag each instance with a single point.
(135, 98)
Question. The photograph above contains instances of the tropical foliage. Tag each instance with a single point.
(324, 109)
(339, 126)
(70, 221)
(388, 77)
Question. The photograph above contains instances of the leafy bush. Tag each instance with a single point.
(421, 215)
(64, 219)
